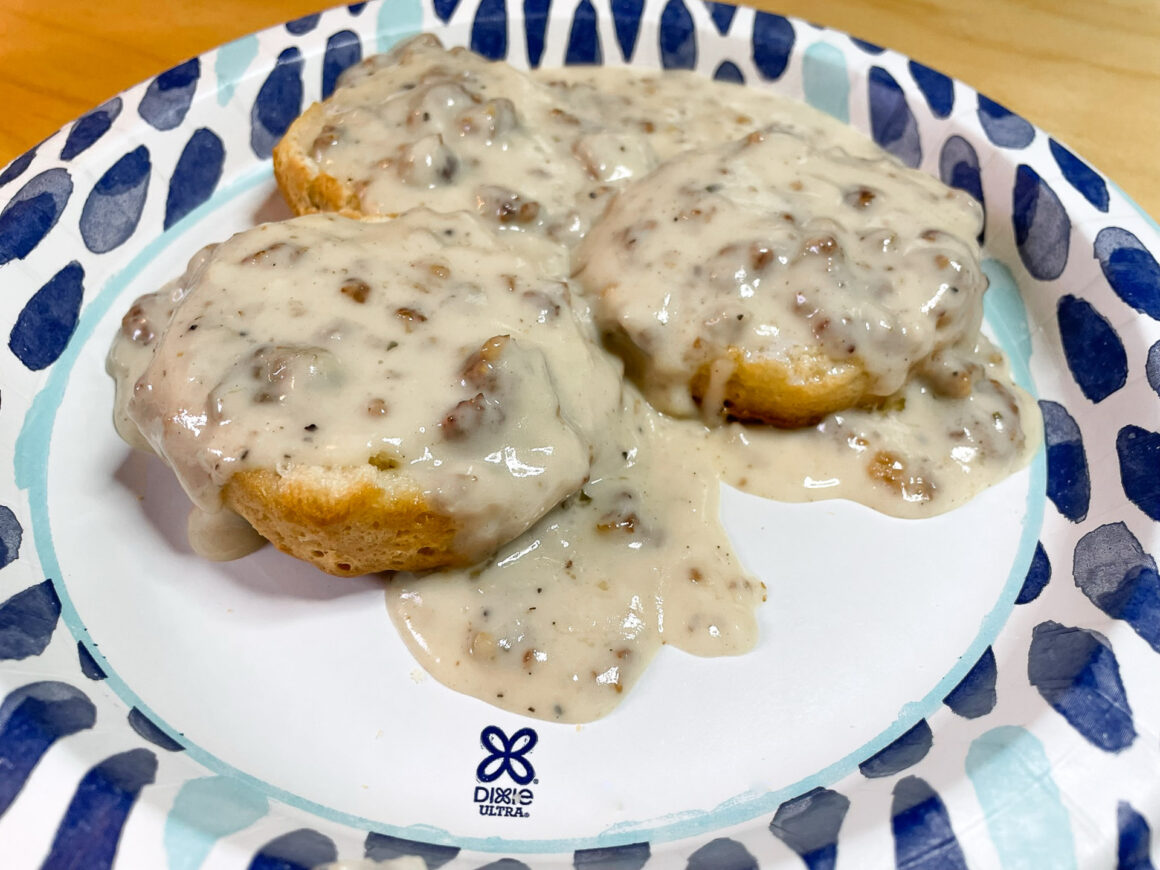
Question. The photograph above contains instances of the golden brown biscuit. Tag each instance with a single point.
(798, 391)
(346, 521)
(368, 395)
(776, 280)
(451, 131)
(304, 186)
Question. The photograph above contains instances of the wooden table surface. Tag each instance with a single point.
(1087, 72)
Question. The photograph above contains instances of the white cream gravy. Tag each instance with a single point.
(328, 342)
(624, 552)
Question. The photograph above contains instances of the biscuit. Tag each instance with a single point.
(766, 280)
(305, 187)
(789, 393)
(443, 129)
(346, 521)
(369, 395)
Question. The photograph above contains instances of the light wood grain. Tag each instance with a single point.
(1087, 72)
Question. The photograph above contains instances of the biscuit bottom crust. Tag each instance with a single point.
(790, 393)
(347, 522)
(304, 186)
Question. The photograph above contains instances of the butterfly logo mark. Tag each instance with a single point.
(506, 755)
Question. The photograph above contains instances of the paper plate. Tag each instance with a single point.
(979, 689)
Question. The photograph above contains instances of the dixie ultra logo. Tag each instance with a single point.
(506, 760)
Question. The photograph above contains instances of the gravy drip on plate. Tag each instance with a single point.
(919, 454)
(559, 623)
(265, 354)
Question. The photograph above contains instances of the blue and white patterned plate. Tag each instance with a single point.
(977, 690)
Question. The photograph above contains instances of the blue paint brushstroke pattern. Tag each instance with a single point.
(1111, 568)
(906, 751)
(1068, 481)
(868, 47)
(445, 8)
(32, 719)
(16, 168)
(630, 856)
(1080, 176)
(626, 20)
(11, 534)
(89, 666)
(583, 39)
(489, 30)
(1038, 575)
(536, 27)
(303, 25)
(1076, 672)
(809, 825)
(722, 854)
(1139, 453)
(773, 38)
(145, 727)
(722, 15)
(113, 209)
(32, 212)
(1130, 268)
(1134, 845)
(196, 176)
(1002, 126)
(958, 167)
(169, 96)
(381, 847)
(343, 50)
(1042, 227)
(90, 127)
(278, 103)
(27, 622)
(729, 72)
(91, 828)
(923, 836)
(678, 37)
(1152, 367)
(302, 849)
(975, 694)
(891, 122)
(938, 89)
(1093, 350)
